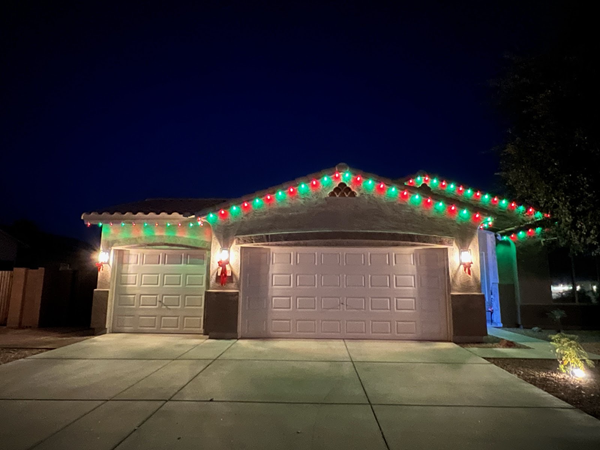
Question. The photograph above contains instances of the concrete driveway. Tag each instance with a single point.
(129, 391)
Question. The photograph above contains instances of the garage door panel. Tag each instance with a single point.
(159, 291)
(368, 294)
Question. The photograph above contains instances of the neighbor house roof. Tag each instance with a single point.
(156, 206)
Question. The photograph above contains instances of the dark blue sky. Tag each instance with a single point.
(109, 103)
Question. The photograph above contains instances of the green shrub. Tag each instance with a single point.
(569, 353)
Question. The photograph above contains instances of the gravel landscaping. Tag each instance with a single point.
(543, 373)
(12, 354)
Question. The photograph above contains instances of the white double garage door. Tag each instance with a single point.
(360, 293)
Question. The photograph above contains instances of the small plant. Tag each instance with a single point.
(557, 315)
(571, 356)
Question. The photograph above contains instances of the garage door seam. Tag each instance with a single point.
(367, 396)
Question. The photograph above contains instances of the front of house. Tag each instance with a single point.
(337, 254)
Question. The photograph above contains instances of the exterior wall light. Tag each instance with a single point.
(223, 262)
(103, 258)
(466, 260)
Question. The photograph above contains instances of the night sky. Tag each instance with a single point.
(104, 103)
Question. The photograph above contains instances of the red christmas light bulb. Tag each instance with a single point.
(245, 205)
(314, 183)
(477, 215)
(460, 189)
(222, 212)
(443, 183)
(291, 190)
(336, 176)
(513, 205)
(411, 182)
(453, 208)
(426, 178)
(358, 178)
(404, 194)
(495, 200)
(381, 186)
(268, 197)
(530, 210)
(477, 194)
(531, 232)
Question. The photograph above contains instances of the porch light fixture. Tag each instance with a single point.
(223, 262)
(103, 258)
(466, 260)
(578, 373)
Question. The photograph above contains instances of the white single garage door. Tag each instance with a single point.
(159, 291)
(360, 293)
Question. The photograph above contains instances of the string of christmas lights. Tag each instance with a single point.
(200, 223)
(357, 182)
(523, 235)
(475, 196)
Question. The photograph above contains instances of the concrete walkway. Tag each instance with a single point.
(539, 349)
(129, 391)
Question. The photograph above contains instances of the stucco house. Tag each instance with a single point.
(337, 254)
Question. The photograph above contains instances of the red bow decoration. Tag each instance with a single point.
(467, 267)
(99, 265)
(223, 266)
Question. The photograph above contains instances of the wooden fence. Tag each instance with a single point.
(6, 277)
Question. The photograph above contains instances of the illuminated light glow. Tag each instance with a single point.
(465, 257)
(269, 197)
(477, 215)
(257, 202)
(411, 182)
(469, 191)
(477, 194)
(235, 209)
(530, 210)
(211, 218)
(168, 224)
(358, 179)
(111, 224)
(303, 188)
(495, 200)
(88, 224)
(426, 178)
(103, 257)
(435, 182)
(280, 195)
(156, 224)
(336, 176)
(191, 225)
(404, 194)
(513, 205)
(429, 201)
(222, 212)
(538, 230)
(122, 224)
(314, 183)
(381, 186)
(521, 234)
(443, 184)
(531, 232)
(393, 190)
(578, 373)
(133, 223)
(326, 180)
(224, 254)
(461, 189)
(486, 197)
(513, 237)
(439, 205)
(452, 186)
(146, 224)
(100, 224)
(347, 176)
(453, 208)
(419, 179)
(291, 190)
(179, 225)
(245, 205)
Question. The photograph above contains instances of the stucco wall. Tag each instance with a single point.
(367, 213)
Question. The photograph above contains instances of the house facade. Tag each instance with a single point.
(336, 254)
